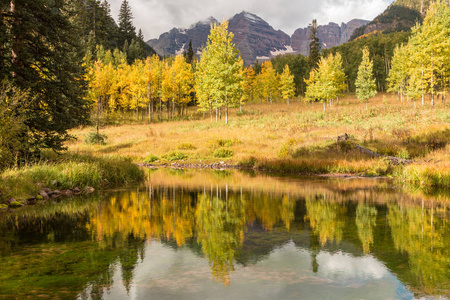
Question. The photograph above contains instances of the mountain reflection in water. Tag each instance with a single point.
(258, 236)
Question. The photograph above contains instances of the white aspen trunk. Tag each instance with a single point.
(401, 95)
(150, 106)
(226, 114)
(423, 93)
(211, 112)
(432, 82)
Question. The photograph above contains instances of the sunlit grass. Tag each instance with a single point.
(67, 172)
(432, 172)
(300, 134)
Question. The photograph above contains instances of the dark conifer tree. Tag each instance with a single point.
(42, 56)
(140, 36)
(127, 31)
(314, 45)
(135, 51)
(190, 53)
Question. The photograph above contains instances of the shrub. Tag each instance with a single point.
(286, 149)
(175, 155)
(249, 162)
(94, 138)
(403, 153)
(150, 158)
(223, 153)
(13, 132)
(225, 142)
(186, 146)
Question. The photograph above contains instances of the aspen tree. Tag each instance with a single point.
(366, 87)
(222, 68)
(287, 86)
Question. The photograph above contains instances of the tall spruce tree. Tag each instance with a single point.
(190, 53)
(314, 45)
(94, 23)
(42, 56)
(127, 31)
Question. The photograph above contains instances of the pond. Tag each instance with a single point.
(204, 234)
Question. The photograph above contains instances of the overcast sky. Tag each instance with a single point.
(155, 17)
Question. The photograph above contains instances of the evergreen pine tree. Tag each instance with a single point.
(140, 36)
(127, 31)
(190, 53)
(43, 57)
(314, 45)
(93, 21)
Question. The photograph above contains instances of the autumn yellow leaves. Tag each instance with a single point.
(163, 88)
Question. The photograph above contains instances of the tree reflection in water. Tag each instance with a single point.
(214, 220)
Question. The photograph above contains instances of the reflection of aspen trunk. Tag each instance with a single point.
(150, 191)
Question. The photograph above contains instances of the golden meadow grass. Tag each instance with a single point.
(299, 138)
(295, 138)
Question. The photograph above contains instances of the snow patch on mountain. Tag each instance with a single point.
(180, 52)
(287, 50)
(262, 58)
(251, 17)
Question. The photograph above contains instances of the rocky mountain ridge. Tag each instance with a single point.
(401, 15)
(254, 37)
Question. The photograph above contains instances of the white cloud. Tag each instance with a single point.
(155, 17)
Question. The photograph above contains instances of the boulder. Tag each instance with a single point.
(56, 193)
(67, 193)
(44, 195)
(16, 204)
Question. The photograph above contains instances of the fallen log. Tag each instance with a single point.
(392, 159)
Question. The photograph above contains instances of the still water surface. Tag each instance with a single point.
(229, 235)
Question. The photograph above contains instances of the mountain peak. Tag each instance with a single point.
(208, 21)
(251, 17)
(254, 37)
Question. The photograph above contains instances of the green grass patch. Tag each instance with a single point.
(150, 158)
(225, 142)
(94, 138)
(68, 172)
(175, 155)
(425, 176)
(186, 146)
(223, 153)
